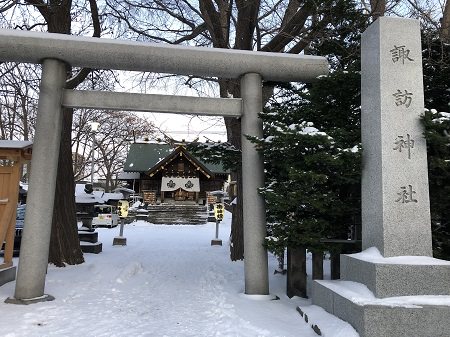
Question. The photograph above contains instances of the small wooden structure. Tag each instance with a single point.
(13, 154)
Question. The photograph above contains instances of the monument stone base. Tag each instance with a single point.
(7, 275)
(392, 297)
(389, 317)
(397, 276)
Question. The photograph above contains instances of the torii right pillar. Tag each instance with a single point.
(391, 288)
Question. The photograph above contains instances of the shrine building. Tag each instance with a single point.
(164, 173)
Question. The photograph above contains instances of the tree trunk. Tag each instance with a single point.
(64, 243)
(296, 272)
(317, 264)
(237, 226)
(233, 125)
(445, 23)
(378, 8)
(335, 263)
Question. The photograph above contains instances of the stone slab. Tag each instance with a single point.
(7, 275)
(392, 279)
(95, 248)
(376, 320)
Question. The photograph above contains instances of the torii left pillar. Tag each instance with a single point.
(254, 212)
(34, 250)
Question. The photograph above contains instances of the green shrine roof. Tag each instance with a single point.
(144, 156)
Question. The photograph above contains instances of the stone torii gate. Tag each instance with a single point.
(54, 51)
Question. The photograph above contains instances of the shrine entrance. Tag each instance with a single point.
(182, 195)
(54, 51)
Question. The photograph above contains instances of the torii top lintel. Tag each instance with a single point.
(100, 53)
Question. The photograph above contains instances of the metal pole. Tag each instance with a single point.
(93, 158)
(121, 227)
(120, 240)
(38, 220)
(254, 214)
(217, 229)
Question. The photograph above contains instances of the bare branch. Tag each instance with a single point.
(83, 73)
(246, 23)
(212, 17)
(289, 31)
(41, 6)
(378, 8)
(7, 6)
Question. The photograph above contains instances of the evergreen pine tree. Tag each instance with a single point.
(312, 146)
(312, 157)
(436, 67)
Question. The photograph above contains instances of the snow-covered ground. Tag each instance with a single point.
(168, 281)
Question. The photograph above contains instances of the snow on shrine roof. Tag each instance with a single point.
(15, 144)
(128, 175)
(144, 156)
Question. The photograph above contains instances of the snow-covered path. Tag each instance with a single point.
(167, 281)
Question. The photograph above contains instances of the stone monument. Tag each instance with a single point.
(394, 287)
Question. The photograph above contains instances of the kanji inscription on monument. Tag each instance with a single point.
(403, 97)
(406, 194)
(395, 199)
(405, 143)
(400, 54)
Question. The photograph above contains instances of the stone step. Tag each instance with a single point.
(173, 208)
(160, 220)
(94, 248)
(400, 276)
(177, 214)
(88, 236)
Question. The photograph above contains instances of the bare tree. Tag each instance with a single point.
(56, 16)
(18, 101)
(116, 130)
